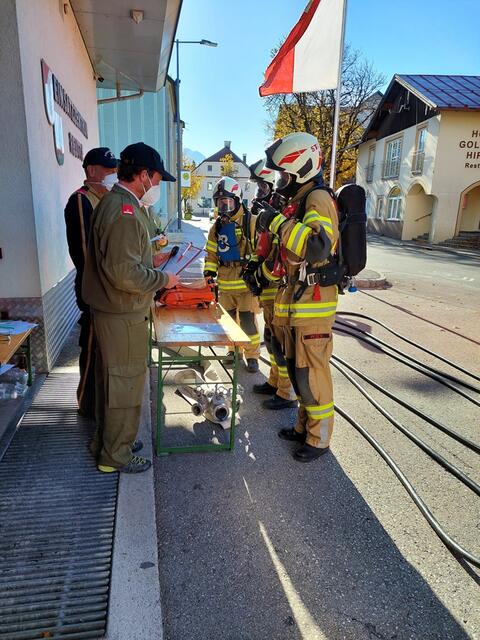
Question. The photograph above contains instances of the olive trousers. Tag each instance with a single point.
(120, 370)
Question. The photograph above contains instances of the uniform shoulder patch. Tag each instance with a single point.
(127, 210)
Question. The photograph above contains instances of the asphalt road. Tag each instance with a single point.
(253, 545)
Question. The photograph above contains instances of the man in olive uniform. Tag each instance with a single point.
(118, 283)
(305, 306)
(100, 167)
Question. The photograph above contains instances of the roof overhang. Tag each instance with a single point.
(135, 56)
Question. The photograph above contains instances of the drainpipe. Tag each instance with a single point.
(119, 97)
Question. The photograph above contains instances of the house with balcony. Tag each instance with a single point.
(419, 160)
(210, 172)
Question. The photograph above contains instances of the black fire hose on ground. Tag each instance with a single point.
(447, 376)
(443, 462)
(447, 540)
(418, 367)
(418, 412)
(414, 344)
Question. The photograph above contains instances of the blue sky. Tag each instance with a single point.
(219, 86)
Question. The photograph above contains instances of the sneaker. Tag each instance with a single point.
(252, 365)
(292, 435)
(277, 402)
(264, 389)
(136, 464)
(137, 446)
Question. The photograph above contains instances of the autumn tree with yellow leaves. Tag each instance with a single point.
(313, 112)
(228, 166)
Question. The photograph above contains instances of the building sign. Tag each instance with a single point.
(186, 179)
(53, 92)
(472, 150)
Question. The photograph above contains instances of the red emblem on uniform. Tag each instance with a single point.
(127, 210)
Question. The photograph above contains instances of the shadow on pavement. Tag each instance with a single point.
(254, 545)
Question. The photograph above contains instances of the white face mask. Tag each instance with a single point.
(109, 180)
(152, 195)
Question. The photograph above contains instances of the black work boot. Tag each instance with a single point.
(291, 435)
(307, 453)
(277, 402)
(136, 464)
(264, 389)
(252, 365)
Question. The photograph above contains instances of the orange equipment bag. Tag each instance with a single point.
(198, 294)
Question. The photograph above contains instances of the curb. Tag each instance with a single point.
(135, 607)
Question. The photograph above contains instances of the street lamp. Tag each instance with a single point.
(207, 43)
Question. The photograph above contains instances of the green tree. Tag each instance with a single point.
(228, 166)
(313, 112)
(191, 192)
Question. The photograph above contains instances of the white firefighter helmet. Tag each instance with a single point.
(227, 187)
(297, 154)
(259, 172)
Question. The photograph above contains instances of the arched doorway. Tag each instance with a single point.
(418, 213)
(469, 209)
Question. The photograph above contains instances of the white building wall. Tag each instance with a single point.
(46, 31)
(381, 187)
(213, 176)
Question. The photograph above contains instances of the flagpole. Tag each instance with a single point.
(336, 119)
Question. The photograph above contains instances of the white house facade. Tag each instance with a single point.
(419, 160)
(210, 172)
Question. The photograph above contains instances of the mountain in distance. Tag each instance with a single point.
(196, 156)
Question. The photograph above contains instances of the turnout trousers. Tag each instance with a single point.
(278, 377)
(243, 303)
(307, 352)
(86, 386)
(121, 366)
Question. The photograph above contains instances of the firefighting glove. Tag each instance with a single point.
(269, 219)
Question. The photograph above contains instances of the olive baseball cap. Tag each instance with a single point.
(140, 154)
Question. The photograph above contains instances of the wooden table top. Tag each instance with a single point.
(197, 327)
(8, 348)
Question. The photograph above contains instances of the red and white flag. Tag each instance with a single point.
(309, 58)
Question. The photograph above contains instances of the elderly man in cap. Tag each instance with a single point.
(100, 167)
(118, 283)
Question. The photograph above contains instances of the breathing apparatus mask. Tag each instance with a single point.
(227, 206)
(286, 184)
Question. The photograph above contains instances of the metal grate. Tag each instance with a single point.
(57, 516)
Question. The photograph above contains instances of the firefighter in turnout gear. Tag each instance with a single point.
(229, 247)
(119, 282)
(100, 167)
(306, 303)
(278, 384)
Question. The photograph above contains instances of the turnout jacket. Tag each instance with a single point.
(307, 242)
(119, 275)
(229, 274)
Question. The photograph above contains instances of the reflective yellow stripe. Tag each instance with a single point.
(255, 338)
(306, 309)
(268, 294)
(268, 274)
(277, 222)
(297, 238)
(311, 216)
(210, 266)
(211, 246)
(320, 411)
(283, 372)
(313, 310)
(272, 359)
(231, 285)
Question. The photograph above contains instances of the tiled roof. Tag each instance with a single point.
(445, 92)
(220, 154)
